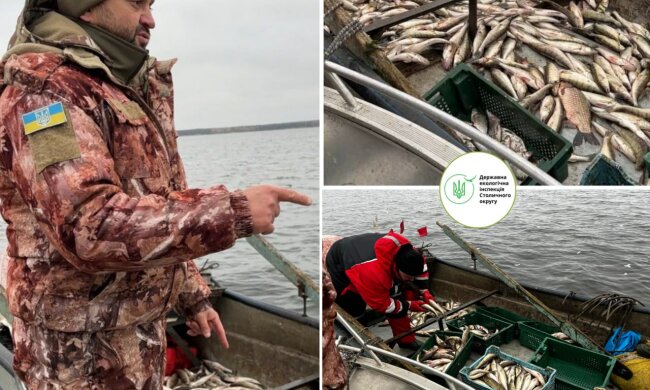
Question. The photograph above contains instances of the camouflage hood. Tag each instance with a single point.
(41, 28)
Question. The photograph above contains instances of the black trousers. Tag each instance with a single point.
(352, 303)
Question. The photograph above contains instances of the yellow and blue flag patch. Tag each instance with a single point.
(43, 118)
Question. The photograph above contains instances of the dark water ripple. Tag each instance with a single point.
(589, 241)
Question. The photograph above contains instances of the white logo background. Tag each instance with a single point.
(494, 189)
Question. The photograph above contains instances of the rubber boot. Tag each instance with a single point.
(400, 325)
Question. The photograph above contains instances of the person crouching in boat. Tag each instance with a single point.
(375, 270)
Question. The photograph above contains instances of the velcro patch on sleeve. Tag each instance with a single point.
(53, 144)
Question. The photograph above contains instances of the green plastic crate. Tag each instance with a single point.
(459, 360)
(464, 89)
(504, 315)
(548, 373)
(605, 172)
(505, 335)
(577, 368)
(533, 333)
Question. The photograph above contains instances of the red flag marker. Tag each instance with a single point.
(423, 232)
(401, 227)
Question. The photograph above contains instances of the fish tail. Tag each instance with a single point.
(579, 139)
(591, 139)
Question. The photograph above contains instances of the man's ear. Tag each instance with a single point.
(87, 17)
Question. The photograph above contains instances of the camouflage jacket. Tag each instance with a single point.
(101, 224)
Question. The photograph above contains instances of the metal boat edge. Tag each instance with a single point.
(333, 71)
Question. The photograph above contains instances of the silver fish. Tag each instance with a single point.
(494, 34)
(639, 86)
(494, 127)
(611, 32)
(547, 107)
(481, 32)
(524, 75)
(409, 58)
(636, 145)
(580, 81)
(479, 121)
(600, 77)
(556, 120)
(530, 100)
(503, 81)
(520, 87)
(615, 59)
(623, 122)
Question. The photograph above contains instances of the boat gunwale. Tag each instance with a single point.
(436, 151)
(271, 309)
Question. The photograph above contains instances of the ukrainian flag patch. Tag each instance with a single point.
(44, 118)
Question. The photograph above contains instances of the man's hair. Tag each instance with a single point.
(409, 260)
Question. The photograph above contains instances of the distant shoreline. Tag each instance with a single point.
(244, 129)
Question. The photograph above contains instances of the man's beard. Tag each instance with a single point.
(140, 29)
(109, 23)
(127, 34)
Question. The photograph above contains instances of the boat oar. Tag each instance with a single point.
(305, 284)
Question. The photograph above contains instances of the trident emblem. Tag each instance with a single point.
(459, 189)
(43, 116)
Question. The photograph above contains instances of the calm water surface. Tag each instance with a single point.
(283, 157)
(589, 241)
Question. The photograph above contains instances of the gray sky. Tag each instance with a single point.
(239, 63)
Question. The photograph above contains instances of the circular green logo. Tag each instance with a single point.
(459, 188)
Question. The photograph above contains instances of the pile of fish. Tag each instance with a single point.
(491, 125)
(442, 308)
(419, 318)
(588, 66)
(434, 310)
(210, 376)
(443, 352)
(495, 373)
(479, 331)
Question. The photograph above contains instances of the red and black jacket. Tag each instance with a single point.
(364, 265)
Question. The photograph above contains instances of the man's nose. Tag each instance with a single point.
(147, 20)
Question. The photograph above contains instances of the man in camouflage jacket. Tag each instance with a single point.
(101, 225)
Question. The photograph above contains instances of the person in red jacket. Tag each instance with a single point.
(373, 269)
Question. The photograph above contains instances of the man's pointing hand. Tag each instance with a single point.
(264, 202)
